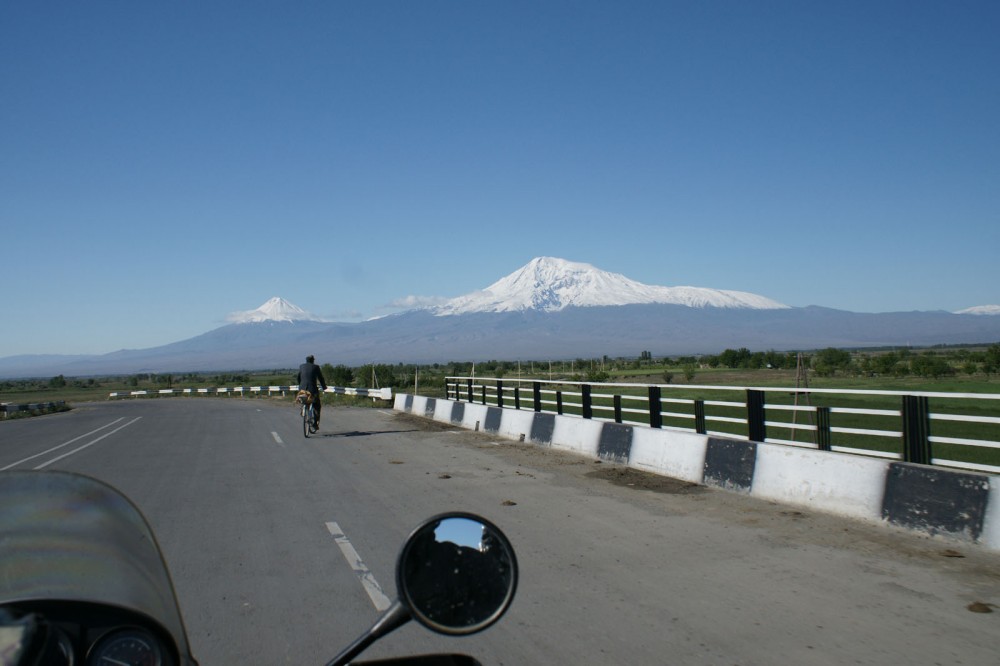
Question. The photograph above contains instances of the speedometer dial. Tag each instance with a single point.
(127, 647)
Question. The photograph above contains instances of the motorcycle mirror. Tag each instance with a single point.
(457, 573)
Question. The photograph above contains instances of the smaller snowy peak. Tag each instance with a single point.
(981, 310)
(550, 284)
(275, 309)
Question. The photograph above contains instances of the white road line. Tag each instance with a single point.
(56, 448)
(277, 438)
(88, 444)
(368, 581)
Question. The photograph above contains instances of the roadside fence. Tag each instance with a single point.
(895, 425)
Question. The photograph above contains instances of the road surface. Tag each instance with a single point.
(616, 566)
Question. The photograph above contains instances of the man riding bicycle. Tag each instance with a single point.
(310, 378)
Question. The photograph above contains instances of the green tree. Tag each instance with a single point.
(735, 358)
(339, 375)
(376, 376)
(57, 382)
(831, 360)
(597, 376)
(930, 365)
(991, 359)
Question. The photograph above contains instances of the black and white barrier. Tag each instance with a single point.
(8, 408)
(929, 499)
(374, 394)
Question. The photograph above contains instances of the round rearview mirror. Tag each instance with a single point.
(457, 573)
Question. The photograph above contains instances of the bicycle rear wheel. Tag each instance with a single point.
(305, 419)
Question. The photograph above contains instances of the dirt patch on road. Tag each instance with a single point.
(779, 523)
(633, 478)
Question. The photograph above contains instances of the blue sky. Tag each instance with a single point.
(165, 164)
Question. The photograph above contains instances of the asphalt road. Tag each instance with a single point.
(616, 566)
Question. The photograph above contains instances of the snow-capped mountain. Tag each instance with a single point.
(549, 284)
(549, 309)
(981, 310)
(275, 309)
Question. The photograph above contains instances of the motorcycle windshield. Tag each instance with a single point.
(69, 537)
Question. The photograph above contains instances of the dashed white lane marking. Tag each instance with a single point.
(277, 438)
(368, 581)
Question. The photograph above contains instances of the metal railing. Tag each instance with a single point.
(887, 424)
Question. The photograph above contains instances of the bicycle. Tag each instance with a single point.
(308, 413)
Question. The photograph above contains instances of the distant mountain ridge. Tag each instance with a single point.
(981, 310)
(549, 284)
(548, 309)
(275, 309)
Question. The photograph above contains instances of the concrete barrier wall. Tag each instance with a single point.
(932, 500)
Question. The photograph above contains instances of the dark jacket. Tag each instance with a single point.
(309, 377)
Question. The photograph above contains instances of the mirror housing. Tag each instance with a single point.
(457, 573)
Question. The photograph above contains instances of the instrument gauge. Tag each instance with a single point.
(127, 647)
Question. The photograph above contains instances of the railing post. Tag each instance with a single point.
(823, 428)
(699, 417)
(655, 413)
(916, 430)
(517, 397)
(536, 389)
(559, 407)
(499, 393)
(588, 408)
(755, 416)
(483, 387)
(469, 382)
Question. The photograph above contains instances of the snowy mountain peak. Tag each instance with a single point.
(981, 310)
(550, 284)
(275, 309)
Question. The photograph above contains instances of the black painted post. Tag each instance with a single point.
(559, 408)
(916, 430)
(469, 383)
(536, 389)
(499, 393)
(484, 393)
(823, 428)
(618, 409)
(655, 412)
(756, 430)
(588, 408)
(699, 417)
(517, 397)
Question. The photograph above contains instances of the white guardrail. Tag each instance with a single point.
(374, 394)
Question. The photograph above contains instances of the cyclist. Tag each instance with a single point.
(310, 378)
